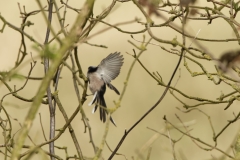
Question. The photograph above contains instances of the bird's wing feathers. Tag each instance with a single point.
(109, 68)
(113, 88)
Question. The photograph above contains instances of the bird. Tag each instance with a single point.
(101, 76)
(228, 60)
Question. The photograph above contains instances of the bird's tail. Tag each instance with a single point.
(103, 111)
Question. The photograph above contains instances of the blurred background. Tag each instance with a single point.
(142, 90)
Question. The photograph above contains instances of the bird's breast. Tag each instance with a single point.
(96, 83)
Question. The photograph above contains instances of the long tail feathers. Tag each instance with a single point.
(113, 122)
(103, 112)
(94, 99)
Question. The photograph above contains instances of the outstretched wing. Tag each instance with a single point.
(109, 68)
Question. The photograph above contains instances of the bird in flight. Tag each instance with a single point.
(99, 77)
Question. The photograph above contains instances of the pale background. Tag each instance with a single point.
(142, 91)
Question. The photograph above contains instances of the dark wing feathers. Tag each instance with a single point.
(113, 88)
(109, 68)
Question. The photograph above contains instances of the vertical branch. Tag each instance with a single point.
(68, 42)
(84, 94)
(237, 147)
(71, 130)
(99, 152)
(49, 93)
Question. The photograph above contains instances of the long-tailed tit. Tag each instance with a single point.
(99, 77)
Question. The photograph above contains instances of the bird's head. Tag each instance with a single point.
(92, 69)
